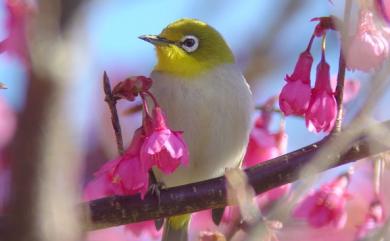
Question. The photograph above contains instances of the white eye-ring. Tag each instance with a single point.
(189, 43)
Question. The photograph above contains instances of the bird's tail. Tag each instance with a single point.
(176, 228)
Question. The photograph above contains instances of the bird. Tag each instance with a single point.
(204, 94)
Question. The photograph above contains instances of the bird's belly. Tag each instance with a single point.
(215, 118)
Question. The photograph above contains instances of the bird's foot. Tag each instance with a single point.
(155, 188)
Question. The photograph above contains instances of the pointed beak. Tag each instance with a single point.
(155, 39)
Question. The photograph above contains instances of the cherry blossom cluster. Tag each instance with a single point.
(317, 104)
(365, 50)
(153, 145)
(369, 47)
(327, 206)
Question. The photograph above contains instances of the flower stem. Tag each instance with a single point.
(145, 104)
(310, 43)
(155, 103)
(342, 67)
(111, 101)
(323, 46)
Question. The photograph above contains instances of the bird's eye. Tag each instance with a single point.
(189, 43)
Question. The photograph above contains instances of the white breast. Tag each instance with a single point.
(214, 113)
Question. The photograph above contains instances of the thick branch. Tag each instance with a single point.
(117, 210)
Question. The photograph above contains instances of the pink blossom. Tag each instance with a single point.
(125, 175)
(163, 147)
(16, 42)
(264, 145)
(369, 47)
(131, 87)
(295, 95)
(130, 176)
(322, 111)
(384, 9)
(373, 220)
(327, 205)
(101, 185)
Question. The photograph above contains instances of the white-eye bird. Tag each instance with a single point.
(204, 94)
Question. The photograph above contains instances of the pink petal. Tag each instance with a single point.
(294, 98)
(143, 227)
(98, 187)
(319, 217)
(132, 176)
(369, 47)
(304, 207)
(340, 221)
(322, 111)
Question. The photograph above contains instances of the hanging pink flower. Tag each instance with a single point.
(373, 220)
(126, 175)
(322, 111)
(295, 95)
(163, 147)
(327, 205)
(369, 47)
(264, 145)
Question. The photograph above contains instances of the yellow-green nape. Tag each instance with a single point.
(211, 51)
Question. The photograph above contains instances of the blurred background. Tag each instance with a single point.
(54, 101)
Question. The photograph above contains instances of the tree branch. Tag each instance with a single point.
(342, 67)
(111, 101)
(118, 210)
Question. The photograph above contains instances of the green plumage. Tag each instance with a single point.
(176, 228)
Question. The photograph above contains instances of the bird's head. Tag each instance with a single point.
(189, 47)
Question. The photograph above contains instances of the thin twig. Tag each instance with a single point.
(111, 101)
(118, 210)
(342, 67)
